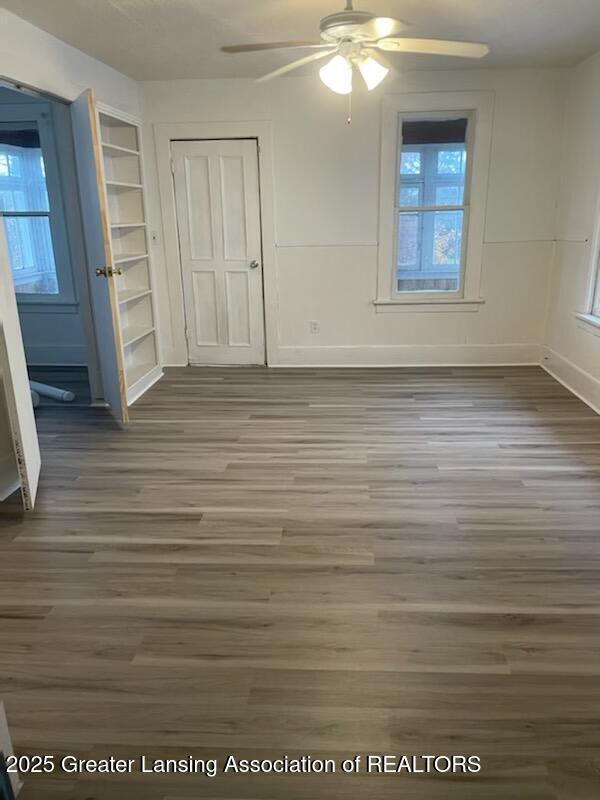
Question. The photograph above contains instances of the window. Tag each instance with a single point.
(589, 319)
(25, 206)
(596, 296)
(431, 206)
(435, 155)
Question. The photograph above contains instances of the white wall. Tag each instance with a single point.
(35, 58)
(573, 349)
(326, 205)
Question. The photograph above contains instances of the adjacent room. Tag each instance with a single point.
(299, 399)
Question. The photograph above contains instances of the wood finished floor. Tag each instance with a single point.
(313, 562)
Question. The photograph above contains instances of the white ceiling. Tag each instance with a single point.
(168, 39)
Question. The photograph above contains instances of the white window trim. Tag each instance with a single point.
(589, 319)
(479, 107)
(589, 323)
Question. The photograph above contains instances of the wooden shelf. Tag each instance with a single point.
(134, 333)
(127, 295)
(135, 374)
(131, 257)
(118, 150)
(118, 132)
(123, 185)
(142, 383)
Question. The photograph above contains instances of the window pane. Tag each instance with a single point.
(410, 195)
(31, 255)
(14, 166)
(23, 189)
(447, 238)
(429, 251)
(450, 195)
(410, 163)
(409, 241)
(22, 175)
(452, 162)
(429, 246)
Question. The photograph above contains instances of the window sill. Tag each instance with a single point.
(589, 323)
(427, 306)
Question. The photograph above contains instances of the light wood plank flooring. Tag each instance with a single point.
(313, 562)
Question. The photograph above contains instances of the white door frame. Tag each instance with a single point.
(164, 134)
(76, 245)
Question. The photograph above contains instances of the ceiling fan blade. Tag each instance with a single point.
(295, 64)
(250, 48)
(436, 47)
(381, 27)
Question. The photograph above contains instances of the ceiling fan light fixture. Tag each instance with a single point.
(372, 72)
(384, 26)
(337, 75)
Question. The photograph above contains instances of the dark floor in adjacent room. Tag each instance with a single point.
(323, 562)
(71, 379)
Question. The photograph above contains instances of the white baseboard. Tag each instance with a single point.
(576, 380)
(408, 356)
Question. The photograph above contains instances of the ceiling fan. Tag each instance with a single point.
(354, 38)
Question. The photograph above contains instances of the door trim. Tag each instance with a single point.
(175, 352)
(75, 238)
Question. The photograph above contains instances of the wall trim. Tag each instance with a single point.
(489, 355)
(576, 380)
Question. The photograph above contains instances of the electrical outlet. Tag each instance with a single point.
(314, 326)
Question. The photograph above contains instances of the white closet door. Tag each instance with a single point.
(14, 385)
(96, 229)
(218, 214)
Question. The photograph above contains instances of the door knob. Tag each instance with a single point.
(108, 272)
(254, 264)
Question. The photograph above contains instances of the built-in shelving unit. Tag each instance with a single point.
(122, 225)
(124, 179)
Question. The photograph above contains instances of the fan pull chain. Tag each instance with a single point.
(349, 120)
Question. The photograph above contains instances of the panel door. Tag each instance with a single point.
(218, 216)
(96, 229)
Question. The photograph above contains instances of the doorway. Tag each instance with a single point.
(217, 202)
(40, 214)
